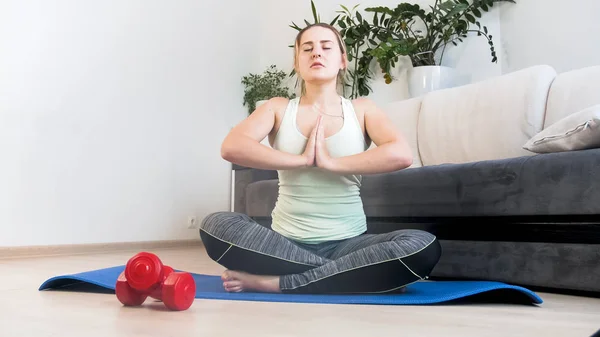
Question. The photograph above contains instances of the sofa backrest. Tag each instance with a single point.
(571, 92)
(405, 116)
(491, 119)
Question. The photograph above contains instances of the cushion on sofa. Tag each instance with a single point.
(486, 120)
(555, 183)
(405, 115)
(578, 131)
(572, 91)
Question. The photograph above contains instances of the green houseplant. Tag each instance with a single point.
(405, 31)
(269, 84)
(408, 30)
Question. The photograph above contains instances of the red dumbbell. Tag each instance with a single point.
(145, 275)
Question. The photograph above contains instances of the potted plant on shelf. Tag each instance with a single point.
(259, 88)
(409, 31)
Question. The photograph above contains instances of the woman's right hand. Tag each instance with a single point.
(310, 150)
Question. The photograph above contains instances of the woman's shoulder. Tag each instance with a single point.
(277, 104)
(363, 104)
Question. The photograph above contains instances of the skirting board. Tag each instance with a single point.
(96, 248)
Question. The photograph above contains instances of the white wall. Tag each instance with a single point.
(564, 35)
(112, 113)
(471, 58)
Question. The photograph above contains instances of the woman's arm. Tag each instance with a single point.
(391, 154)
(242, 145)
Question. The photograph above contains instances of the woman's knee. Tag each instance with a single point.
(227, 226)
(424, 260)
(219, 231)
(218, 219)
(230, 227)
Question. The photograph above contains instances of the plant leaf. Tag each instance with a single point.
(314, 11)
(334, 20)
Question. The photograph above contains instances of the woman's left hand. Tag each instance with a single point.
(391, 153)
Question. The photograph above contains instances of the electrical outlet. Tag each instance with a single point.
(192, 222)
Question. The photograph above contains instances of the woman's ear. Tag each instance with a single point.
(344, 64)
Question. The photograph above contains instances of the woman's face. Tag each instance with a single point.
(319, 57)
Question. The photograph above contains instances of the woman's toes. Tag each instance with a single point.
(235, 289)
(234, 283)
(232, 286)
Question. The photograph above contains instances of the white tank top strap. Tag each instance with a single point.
(289, 116)
(351, 117)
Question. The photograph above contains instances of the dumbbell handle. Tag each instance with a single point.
(157, 291)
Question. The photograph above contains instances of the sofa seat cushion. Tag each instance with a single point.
(562, 183)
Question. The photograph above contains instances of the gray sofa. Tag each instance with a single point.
(501, 212)
(496, 220)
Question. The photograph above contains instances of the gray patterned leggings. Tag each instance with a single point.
(368, 263)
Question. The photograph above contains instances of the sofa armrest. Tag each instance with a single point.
(242, 177)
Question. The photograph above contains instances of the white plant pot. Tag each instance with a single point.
(425, 79)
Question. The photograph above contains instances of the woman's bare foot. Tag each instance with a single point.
(236, 281)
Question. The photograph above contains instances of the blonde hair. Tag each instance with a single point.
(341, 74)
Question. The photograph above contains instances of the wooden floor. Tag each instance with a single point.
(27, 312)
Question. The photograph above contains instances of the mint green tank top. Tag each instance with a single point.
(314, 205)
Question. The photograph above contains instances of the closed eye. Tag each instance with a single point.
(326, 48)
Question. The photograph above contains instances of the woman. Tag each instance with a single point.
(320, 147)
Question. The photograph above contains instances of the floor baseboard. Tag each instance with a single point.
(96, 248)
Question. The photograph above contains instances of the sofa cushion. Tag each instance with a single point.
(561, 183)
(572, 91)
(547, 184)
(405, 116)
(487, 120)
(578, 131)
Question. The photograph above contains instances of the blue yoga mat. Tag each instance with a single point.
(426, 292)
